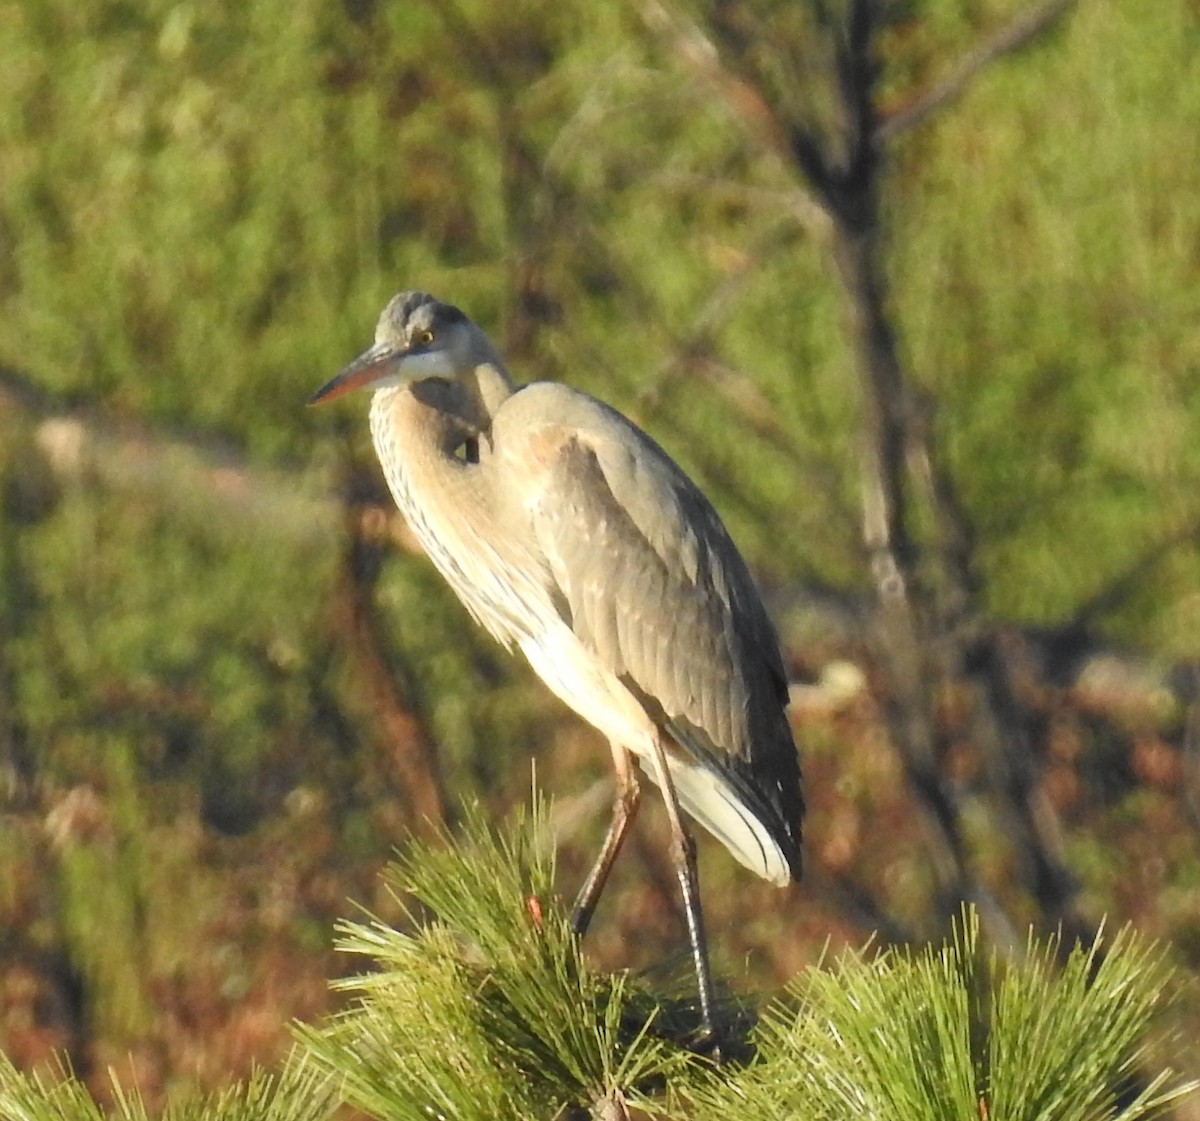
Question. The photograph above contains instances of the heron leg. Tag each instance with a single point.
(625, 807)
(683, 854)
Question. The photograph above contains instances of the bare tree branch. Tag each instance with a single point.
(739, 94)
(794, 202)
(1129, 582)
(410, 756)
(1016, 34)
(931, 633)
(1191, 744)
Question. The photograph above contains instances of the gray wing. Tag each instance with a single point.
(650, 581)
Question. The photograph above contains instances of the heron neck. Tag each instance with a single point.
(493, 386)
(423, 435)
(462, 408)
(420, 431)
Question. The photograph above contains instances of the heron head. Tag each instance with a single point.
(417, 337)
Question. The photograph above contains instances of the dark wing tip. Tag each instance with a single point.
(767, 785)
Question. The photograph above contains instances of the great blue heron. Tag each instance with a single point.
(569, 533)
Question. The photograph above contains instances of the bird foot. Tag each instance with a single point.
(707, 1043)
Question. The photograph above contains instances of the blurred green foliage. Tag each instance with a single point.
(1058, 224)
(204, 205)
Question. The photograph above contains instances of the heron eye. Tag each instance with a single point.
(425, 337)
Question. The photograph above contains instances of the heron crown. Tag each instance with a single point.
(413, 319)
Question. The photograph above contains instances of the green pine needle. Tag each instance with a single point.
(489, 1009)
(953, 1034)
(1068, 1041)
(301, 1092)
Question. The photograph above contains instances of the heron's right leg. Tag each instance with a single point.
(625, 807)
(683, 854)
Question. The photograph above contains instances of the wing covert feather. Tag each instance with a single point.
(643, 571)
(656, 589)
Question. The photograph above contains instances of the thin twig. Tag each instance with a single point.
(740, 95)
(1011, 38)
(1191, 746)
(410, 755)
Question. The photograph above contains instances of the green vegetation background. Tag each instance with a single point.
(203, 207)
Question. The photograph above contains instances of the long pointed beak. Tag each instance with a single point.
(369, 367)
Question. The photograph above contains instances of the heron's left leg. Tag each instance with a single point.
(683, 854)
(625, 807)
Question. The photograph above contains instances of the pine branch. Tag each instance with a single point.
(301, 1092)
(956, 1032)
(489, 1008)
